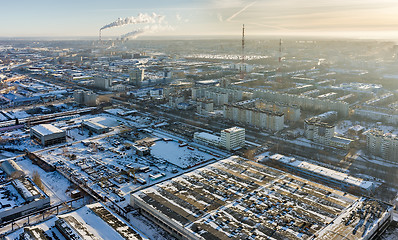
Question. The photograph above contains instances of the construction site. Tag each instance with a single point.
(240, 199)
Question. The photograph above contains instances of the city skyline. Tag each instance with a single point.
(73, 19)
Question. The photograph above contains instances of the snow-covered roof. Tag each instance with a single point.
(238, 198)
(46, 129)
(233, 129)
(322, 171)
(208, 136)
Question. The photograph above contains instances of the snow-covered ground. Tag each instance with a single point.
(178, 154)
(56, 185)
(89, 224)
(342, 126)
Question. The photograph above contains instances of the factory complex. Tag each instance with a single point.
(241, 199)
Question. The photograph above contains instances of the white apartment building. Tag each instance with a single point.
(382, 144)
(318, 131)
(232, 138)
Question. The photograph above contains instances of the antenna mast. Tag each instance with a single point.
(242, 66)
(280, 62)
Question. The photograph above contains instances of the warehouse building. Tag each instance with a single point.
(20, 197)
(48, 134)
(95, 127)
(322, 174)
(12, 169)
(240, 199)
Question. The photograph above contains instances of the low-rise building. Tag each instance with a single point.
(236, 198)
(95, 127)
(321, 174)
(20, 197)
(206, 139)
(48, 134)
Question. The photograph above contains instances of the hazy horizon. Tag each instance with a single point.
(354, 19)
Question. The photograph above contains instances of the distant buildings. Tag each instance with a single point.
(306, 103)
(47, 134)
(317, 130)
(204, 106)
(85, 97)
(260, 118)
(103, 83)
(382, 144)
(137, 76)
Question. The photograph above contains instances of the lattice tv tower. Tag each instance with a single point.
(242, 63)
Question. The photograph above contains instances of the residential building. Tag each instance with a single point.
(382, 144)
(232, 138)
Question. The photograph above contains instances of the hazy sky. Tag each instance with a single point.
(352, 18)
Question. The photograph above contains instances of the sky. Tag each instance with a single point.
(84, 18)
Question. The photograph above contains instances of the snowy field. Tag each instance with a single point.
(178, 154)
(57, 186)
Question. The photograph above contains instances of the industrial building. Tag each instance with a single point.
(231, 138)
(240, 199)
(91, 222)
(245, 113)
(48, 134)
(382, 144)
(324, 175)
(95, 127)
(12, 169)
(20, 197)
(206, 139)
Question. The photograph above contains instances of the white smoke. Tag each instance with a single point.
(141, 18)
(132, 35)
(147, 29)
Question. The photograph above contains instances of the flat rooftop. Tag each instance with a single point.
(94, 221)
(241, 199)
(9, 197)
(46, 129)
(322, 171)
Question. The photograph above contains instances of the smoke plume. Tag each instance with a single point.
(147, 29)
(141, 18)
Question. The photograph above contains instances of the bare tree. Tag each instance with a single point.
(37, 179)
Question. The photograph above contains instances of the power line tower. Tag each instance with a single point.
(242, 64)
